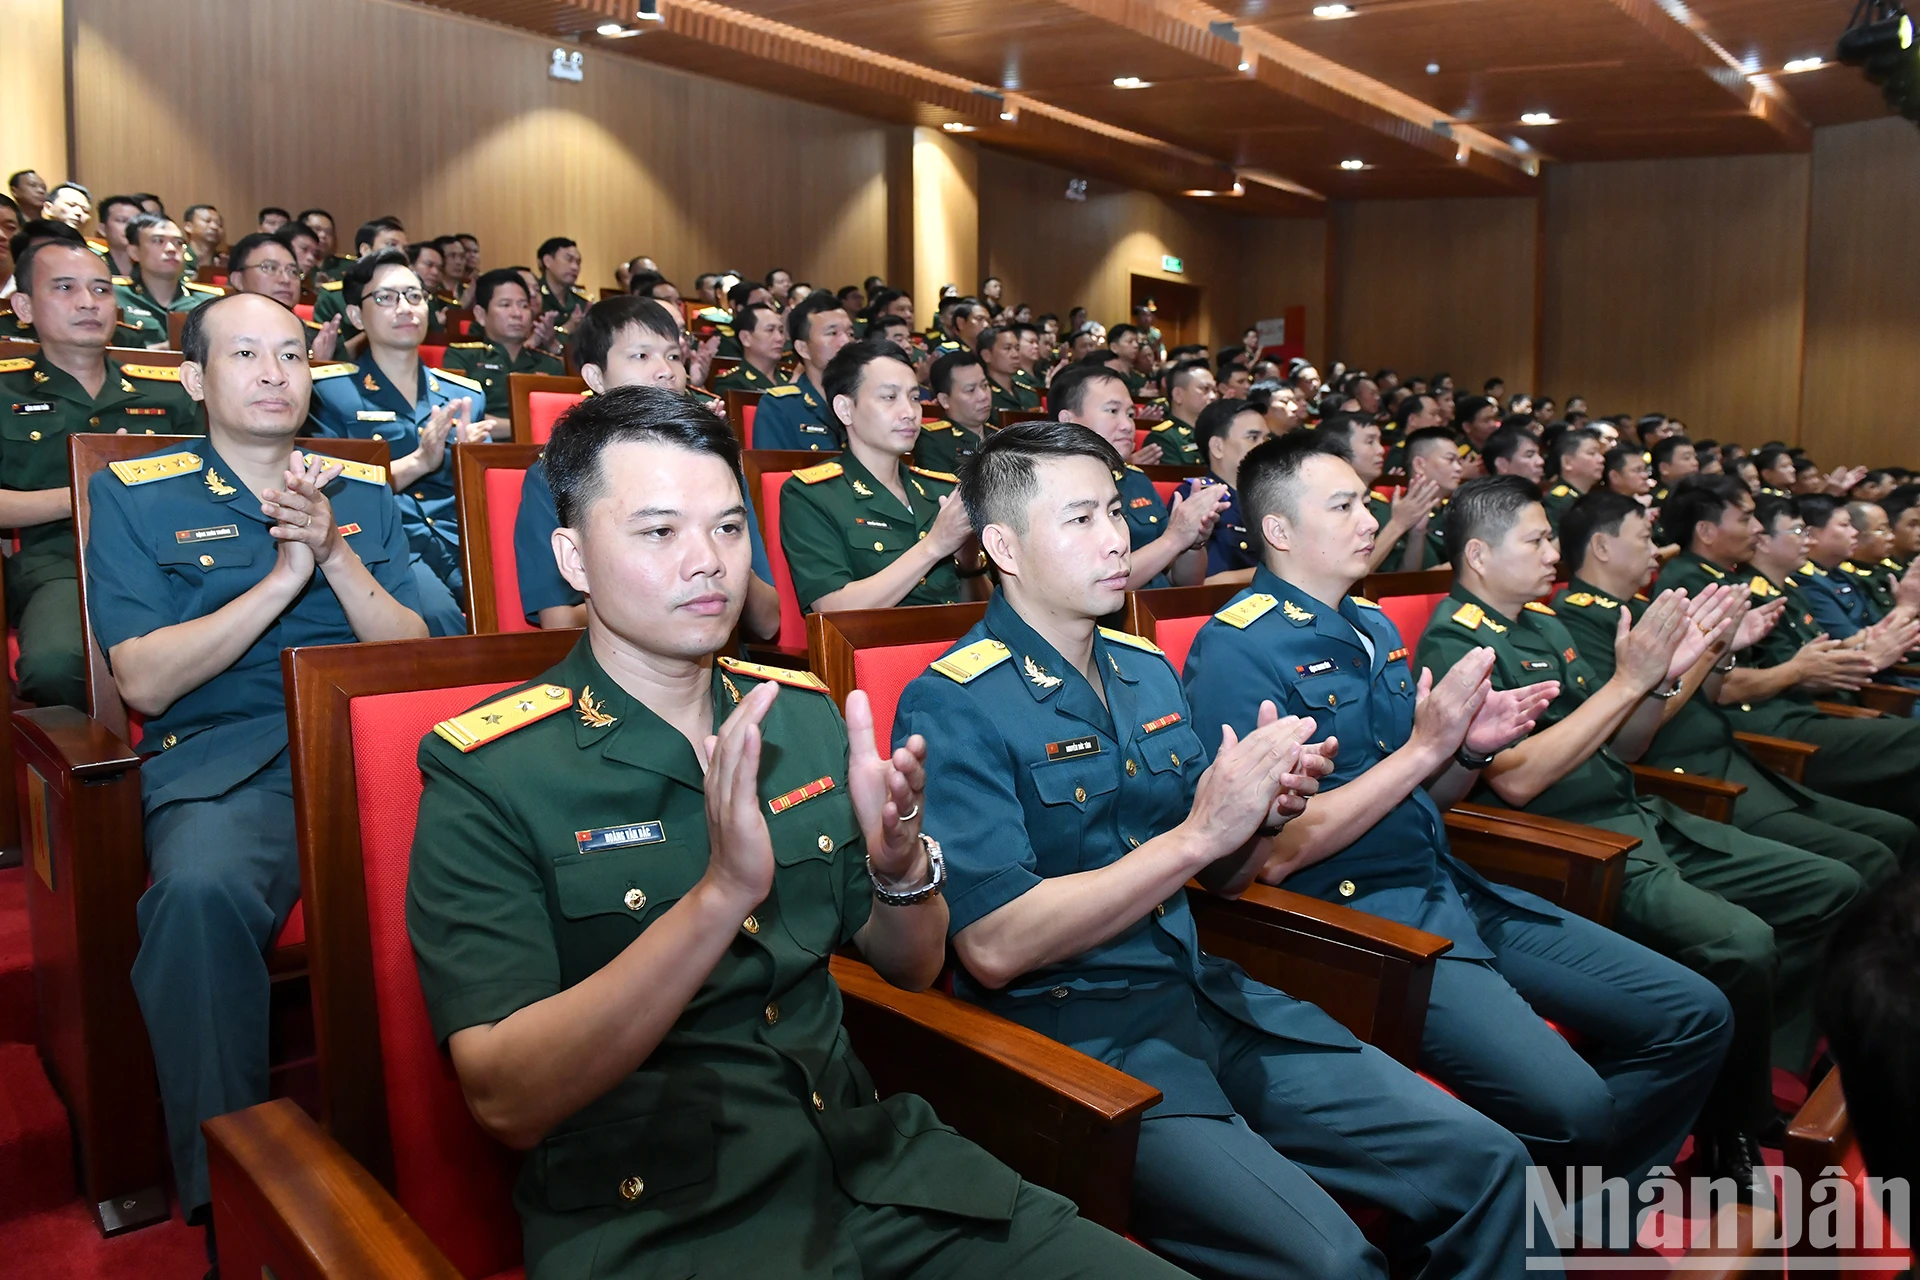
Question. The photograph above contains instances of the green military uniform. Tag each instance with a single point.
(330, 302)
(838, 524)
(744, 377)
(1749, 914)
(11, 326)
(437, 307)
(332, 269)
(1019, 399)
(944, 446)
(143, 318)
(489, 365)
(1558, 501)
(1433, 543)
(550, 301)
(1178, 446)
(1874, 582)
(1870, 762)
(1699, 740)
(45, 405)
(557, 825)
(1136, 381)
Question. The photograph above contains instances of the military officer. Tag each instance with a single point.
(581, 872)
(559, 262)
(203, 564)
(762, 334)
(799, 415)
(1374, 840)
(1673, 459)
(69, 386)
(389, 395)
(1606, 551)
(330, 299)
(1076, 801)
(1576, 463)
(1841, 595)
(1227, 431)
(960, 384)
(1871, 565)
(1190, 389)
(500, 296)
(330, 265)
(1748, 914)
(868, 531)
(156, 289)
(1405, 516)
(999, 351)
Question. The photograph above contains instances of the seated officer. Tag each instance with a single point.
(263, 264)
(1374, 840)
(68, 386)
(559, 262)
(1576, 464)
(1076, 801)
(1629, 474)
(1774, 686)
(961, 385)
(1606, 549)
(156, 289)
(389, 395)
(761, 334)
(1405, 518)
(203, 564)
(500, 299)
(1168, 543)
(999, 350)
(330, 265)
(1871, 565)
(1190, 389)
(1746, 913)
(868, 531)
(1839, 594)
(799, 415)
(1512, 451)
(330, 300)
(1227, 431)
(1673, 459)
(681, 1077)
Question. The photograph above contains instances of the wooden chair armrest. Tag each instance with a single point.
(1820, 1134)
(1371, 975)
(1908, 669)
(1785, 756)
(1845, 711)
(1576, 867)
(1890, 699)
(62, 740)
(289, 1202)
(1695, 792)
(1057, 1117)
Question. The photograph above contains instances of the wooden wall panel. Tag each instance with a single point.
(369, 107)
(1284, 264)
(946, 219)
(34, 70)
(1863, 295)
(1678, 286)
(1434, 285)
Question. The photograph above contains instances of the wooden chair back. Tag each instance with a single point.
(765, 471)
(487, 480)
(537, 400)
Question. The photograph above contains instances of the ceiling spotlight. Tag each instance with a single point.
(1333, 11)
(954, 126)
(1009, 115)
(1539, 117)
(1353, 166)
(1129, 82)
(1246, 66)
(610, 29)
(1797, 65)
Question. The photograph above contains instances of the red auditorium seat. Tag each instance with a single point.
(487, 479)
(433, 355)
(538, 400)
(766, 470)
(304, 310)
(741, 406)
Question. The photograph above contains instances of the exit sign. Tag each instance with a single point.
(1172, 265)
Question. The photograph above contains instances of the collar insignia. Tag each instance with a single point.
(592, 713)
(1294, 612)
(859, 487)
(733, 690)
(370, 383)
(125, 385)
(39, 376)
(1040, 678)
(220, 487)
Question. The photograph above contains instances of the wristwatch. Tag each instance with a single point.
(1466, 759)
(936, 877)
(1671, 691)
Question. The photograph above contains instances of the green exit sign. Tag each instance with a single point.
(1172, 265)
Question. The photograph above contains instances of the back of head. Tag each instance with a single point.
(641, 414)
(1869, 1007)
(609, 316)
(1270, 474)
(1602, 511)
(1484, 509)
(1072, 386)
(999, 482)
(358, 277)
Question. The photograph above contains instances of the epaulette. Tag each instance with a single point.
(1713, 572)
(1163, 425)
(1470, 616)
(497, 719)
(156, 372)
(1465, 448)
(1761, 587)
(334, 286)
(314, 324)
(125, 282)
(202, 288)
(16, 366)
(1578, 599)
(1363, 602)
(814, 475)
(320, 371)
(1537, 607)
(1246, 612)
(1131, 467)
(779, 675)
(1131, 640)
(163, 467)
(784, 389)
(365, 472)
(1560, 490)
(466, 346)
(724, 330)
(940, 424)
(98, 246)
(1815, 570)
(963, 665)
(579, 292)
(460, 380)
(947, 476)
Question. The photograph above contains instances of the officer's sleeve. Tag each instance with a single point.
(816, 551)
(762, 567)
(1828, 613)
(1777, 646)
(541, 586)
(476, 908)
(127, 591)
(972, 806)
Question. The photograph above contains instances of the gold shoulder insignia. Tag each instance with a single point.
(460, 379)
(15, 366)
(164, 466)
(1244, 614)
(1713, 572)
(1129, 639)
(938, 425)
(203, 288)
(155, 372)
(1168, 425)
(329, 371)
(1470, 616)
(334, 286)
(502, 716)
(125, 282)
(779, 675)
(1364, 603)
(814, 475)
(784, 389)
(725, 330)
(963, 665)
(1761, 587)
(947, 476)
(1131, 467)
(1813, 569)
(466, 346)
(1579, 599)
(365, 472)
(1561, 490)
(312, 325)
(1537, 607)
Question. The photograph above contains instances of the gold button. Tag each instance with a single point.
(33, 435)
(819, 1103)
(1155, 520)
(1133, 842)
(1243, 546)
(825, 842)
(630, 1188)
(635, 900)
(1159, 908)
(429, 519)
(1746, 706)
(420, 495)
(93, 422)
(206, 562)
(1132, 768)
(1330, 701)
(1346, 888)
(923, 535)
(1175, 757)
(169, 742)
(750, 924)
(878, 547)
(1080, 794)
(1381, 743)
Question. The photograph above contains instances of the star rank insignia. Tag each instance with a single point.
(220, 487)
(1039, 677)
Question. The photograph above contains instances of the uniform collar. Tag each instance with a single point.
(809, 394)
(1340, 625)
(626, 730)
(1048, 676)
(372, 383)
(859, 478)
(62, 385)
(1465, 596)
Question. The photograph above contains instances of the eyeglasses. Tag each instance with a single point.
(387, 299)
(273, 268)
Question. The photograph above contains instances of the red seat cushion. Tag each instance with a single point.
(746, 424)
(449, 1176)
(294, 932)
(1139, 439)
(1165, 489)
(544, 409)
(503, 509)
(1175, 637)
(1410, 614)
(433, 356)
(793, 623)
(304, 310)
(885, 673)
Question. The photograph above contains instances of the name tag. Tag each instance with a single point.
(1317, 668)
(1152, 725)
(814, 429)
(208, 534)
(1537, 664)
(375, 415)
(872, 524)
(39, 407)
(619, 837)
(1087, 746)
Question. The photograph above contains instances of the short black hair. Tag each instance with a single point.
(1869, 1006)
(1120, 331)
(641, 284)
(368, 230)
(146, 222)
(1419, 441)
(646, 415)
(1648, 422)
(28, 241)
(1602, 511)
(1620, 455)
(419, 247)
(272, 209)
(1269, 472)
(1895, 504)
(13, 179)
(1491, 383)
(800, 317)
(1504, 444)
(1664, 450)
(1467, 408)
(8, 202)
(843, 373)
(304, 214)
(1183, 372)
(984, 341)
(1216, 420)
(1817, 509)
(1565, 444)
(1071, 386)
(749, 315)
(878, 326)
(1483, 509)
(1699, 499)
(1767, 457)
(106, 206)
(738, 295)
(1404, 411)
(294, 230)
(552, 245)
(941, 376)
(1337, 429)
(491, 282)
(608, 317)
(1770, 507)
(358, 276)
(245, 247)
(776, 271)
(997, 482)
(879, 300)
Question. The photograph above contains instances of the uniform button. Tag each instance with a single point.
(206, 562)
(825, 842)
(1058, 993)
(878, 547)
(1133, 842)
(819, 1103)
(1678, 769)
(1746, 706)
(1331, 701)
(773, 1013)
(429, 519)
(169, 742)
(1159, 908)
(1243, 546)
(1080, 794)
(876, 1095)
(923, 535)
(635, 899)
(1346, 888)
(1381, 743)
(1132, 768)
(93, 422)
(1175, 757)
(751, 925)
(630, 1188)
(1156, 520)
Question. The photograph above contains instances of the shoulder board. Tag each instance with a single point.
(125, 282)
(725, 330)
(1713, 572)
(1465, 448)
(947, 476)
(939, 425)
(1363, 602)
(157, 372)
(202, 288)
(1470, 616)
(779, 675)
(1248, 611)
(1578, 599)
(366, 472)
(1761, 587)
(460, 379)
(581, 293)
(164, 466)
(784, 389)
(314, 325)
(963, 665)
(497, 719)
(1163, 426)
(329, 371)
(335, 286)
(466, 346)
(1561, 490)
(1537, 607)
(1813, 570)
(98, 246)
(15, 366)
(1130, 640)
(814, 475)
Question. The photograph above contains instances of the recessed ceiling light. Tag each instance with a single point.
(954, 126)
(1198, 191)
(1353, 166)
(609, 29)
(1246, 66)
(1798, 65)
(1009, 115)
(1539, 117)
(1333, 11)
(1129, 82)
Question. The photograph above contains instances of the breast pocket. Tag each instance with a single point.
(609, 897)
(1072, 794)
(217, 571)
(812, 842)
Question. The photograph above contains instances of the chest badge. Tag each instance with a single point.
(1536, 664)
(1319, 668)
(593, 713)
(210, 534)
(1396, 655)
(800, 795)
(38, 406)
(619, 837)
(1294, 612)
(1073, 747)
(1569, 654)
(1153, 726)
(348, 530)
(1039, 677)
(220, 487)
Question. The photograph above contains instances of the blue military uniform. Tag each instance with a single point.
(358, 401)
(797, 416)
(1231, 547)
(1659, 1031)
(1839, 605)
(175, 537)
(1147, 514)
(1267, 1099)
